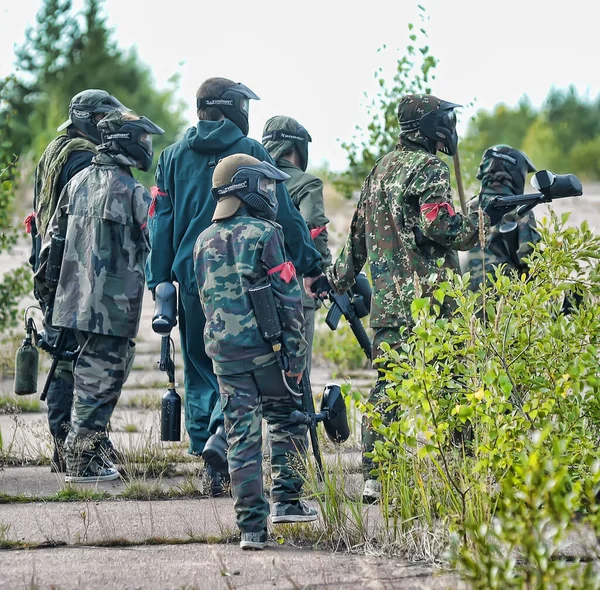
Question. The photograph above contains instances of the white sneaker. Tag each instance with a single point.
(372, 491)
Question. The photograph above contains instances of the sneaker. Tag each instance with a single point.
(372, 491)
(298, 511)
(214, 483)
(215, 450)
(109, 453)
(255, 541)
(93, 475)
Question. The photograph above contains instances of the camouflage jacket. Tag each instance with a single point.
(306, 192)
(403, 225)
(496, 251)
(102, 214)
(231, 256)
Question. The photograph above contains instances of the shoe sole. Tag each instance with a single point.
(292, 519)
(251, 545)
(94, 479)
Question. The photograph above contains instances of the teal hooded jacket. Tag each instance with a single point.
(183, 206)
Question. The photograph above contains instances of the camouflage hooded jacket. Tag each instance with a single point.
(102, 214)
(231, 256)
(403, 225)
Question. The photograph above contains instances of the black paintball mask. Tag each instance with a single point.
(234, 102)
(299, 136)
(505, 165)
(256, 186)
(437, 126)
(132, 138)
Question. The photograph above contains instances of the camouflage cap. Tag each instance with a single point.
(92, 100)
(413, 106)
(224, 171)
(504, 166)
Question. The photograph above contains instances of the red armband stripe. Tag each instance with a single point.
(286, 271)
(317, 231)
(431, 210)
(154, 193)
(28, 221)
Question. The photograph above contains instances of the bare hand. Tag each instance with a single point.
(308, 281)
(296, 376)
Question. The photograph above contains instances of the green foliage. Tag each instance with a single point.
(563, 135)
(62, 56)
(339, 347)
(414, 73)
(17, 282)
(491, 422)
(14, 405)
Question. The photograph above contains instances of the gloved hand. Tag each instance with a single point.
(321, 287)
(496, 214)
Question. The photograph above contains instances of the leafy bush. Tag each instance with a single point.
(490, 424)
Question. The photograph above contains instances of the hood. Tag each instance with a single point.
(211, 137)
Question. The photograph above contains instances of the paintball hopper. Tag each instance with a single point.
(165, 308)
(557, 186)
(550, 186)
(333, 414)
(334, 406)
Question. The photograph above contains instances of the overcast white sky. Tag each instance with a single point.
(314, 59)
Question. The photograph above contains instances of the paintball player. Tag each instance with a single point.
(245, 248)
(503, 171)
(63, 158)
(182, 209)
(101, 221)
(287, 142)
(403, 225)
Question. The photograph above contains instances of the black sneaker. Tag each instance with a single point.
(298, 511)
(256, 541)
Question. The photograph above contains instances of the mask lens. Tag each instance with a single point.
(245, 105)
(267, 186)
(449, 119)
(145, 141)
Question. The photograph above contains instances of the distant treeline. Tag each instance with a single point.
(64, 53)
(563, 135)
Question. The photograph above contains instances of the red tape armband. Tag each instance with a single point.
(154, 193)
(317, 231)
(28, 220)
(431, 210)
(286, 271)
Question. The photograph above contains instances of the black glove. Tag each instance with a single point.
(496, 214)
(321, 285)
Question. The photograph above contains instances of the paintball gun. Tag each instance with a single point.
(550, 186)
(163, 321)
(353, 305)
(333, 416)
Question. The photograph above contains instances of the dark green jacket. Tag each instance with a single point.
(183, 206)
(306, 192)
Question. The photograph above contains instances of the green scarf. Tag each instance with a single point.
(47, 173)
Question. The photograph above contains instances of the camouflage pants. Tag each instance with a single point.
(368, 435)
(100, 370)
(245, 399)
